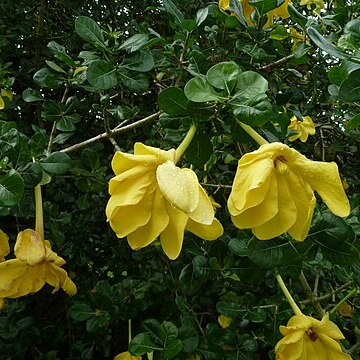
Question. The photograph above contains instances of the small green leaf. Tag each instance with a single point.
(141, 344)
(171, 9)
(11, 188)
(89, 31)
(47, 78)
(296, 16)
(142, 61)
(199, 150)
(199, 90)
(201, 16)
(101, 75)
(173, 101)
(32, 95)
(81, 312)
(349, 90)
(223, 76)
(134, 81)
(135, 42)
(353, 123)
(57, 163)
(55, 66)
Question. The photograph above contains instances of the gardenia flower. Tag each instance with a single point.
(306, 338)
(279, 12)
(35, 265)
(303, 128)
(150, 196)
(273, 192)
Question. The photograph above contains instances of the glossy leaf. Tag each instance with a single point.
(11, 188)
(101, 75)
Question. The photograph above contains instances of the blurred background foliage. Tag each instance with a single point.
(104, 69)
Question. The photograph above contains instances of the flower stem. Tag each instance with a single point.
(349, 295)
(185, 143)
(254, 134)
(39, 217)
(129, 330)
(288, 296)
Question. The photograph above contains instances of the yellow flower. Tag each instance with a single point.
(126, 356)
(319, 4)
(4, 245)
(150, 196)
(224, 321)
(303, 128)
(35, 265)
(5, 93)
(306, 338)
(279, 12)
(273, 192)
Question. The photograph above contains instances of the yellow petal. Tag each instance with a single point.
(7, 93)
(264, 211)
(328, 328)
(205, 232)
(2, 103)
(128, 192)
(172, 237)
(204, 212)
(2, 303)
(4, 245)
(122, 162)
(127, 219)
(58, 277)
(159, 219)
(324, 178)
(29, 247)
(179, 186)
(17, 278)
(224, 321)
(285, 217)
(126, 356)
(305, 203)
(160, 155)
(251, 183)
(224, 4)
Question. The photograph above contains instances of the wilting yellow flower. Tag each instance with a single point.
(4, 245)
(273, 192)
(319, 4)
(224, 321)
(35, 265)
(127, 356)
(306, 338)
(5, 93)
(150, 196)
(303, 128)
(279, 12)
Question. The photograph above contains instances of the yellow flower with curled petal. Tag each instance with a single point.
(7, 94)
(127, 356)
(152, 197)
(279, 12)
(306, 338)
(273, 191)
(35, 265)
(303, 128)
(4, 246)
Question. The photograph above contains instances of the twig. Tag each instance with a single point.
(329, 295)
(310, 295)
(114, 132)
(281, 61)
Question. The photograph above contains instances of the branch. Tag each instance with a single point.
(281, 61)
(115, 131)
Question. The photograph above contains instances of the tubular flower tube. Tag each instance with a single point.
(306, 338)
(303, 128)
(35, 265)
(273, 192)
(279, 12)
(152, 197)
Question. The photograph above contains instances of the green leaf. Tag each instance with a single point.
(223, 76)
(31, 95)
(135, 42)
(57, 163)
(353, 123)
(11, 188)
(272, 253)
(81, 312)
(250, 83)
(47, 78)
(189, 337)
(326, 45)
(173, 101)
(134, 81)
(89, 31)
(201, 16)
(253, 111)
(349, 90)
(60, 53)
(238, 246)
(142, 61)
(67, 122)
(171, 9)
(199, 90)
(142, 344)
(264, 6)
(199, 150)
(52, 111)
(32, 174)
(101, 75)
(55, 66)
(296, 16)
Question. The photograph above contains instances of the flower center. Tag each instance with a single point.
(312, 334)
(280, 164)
